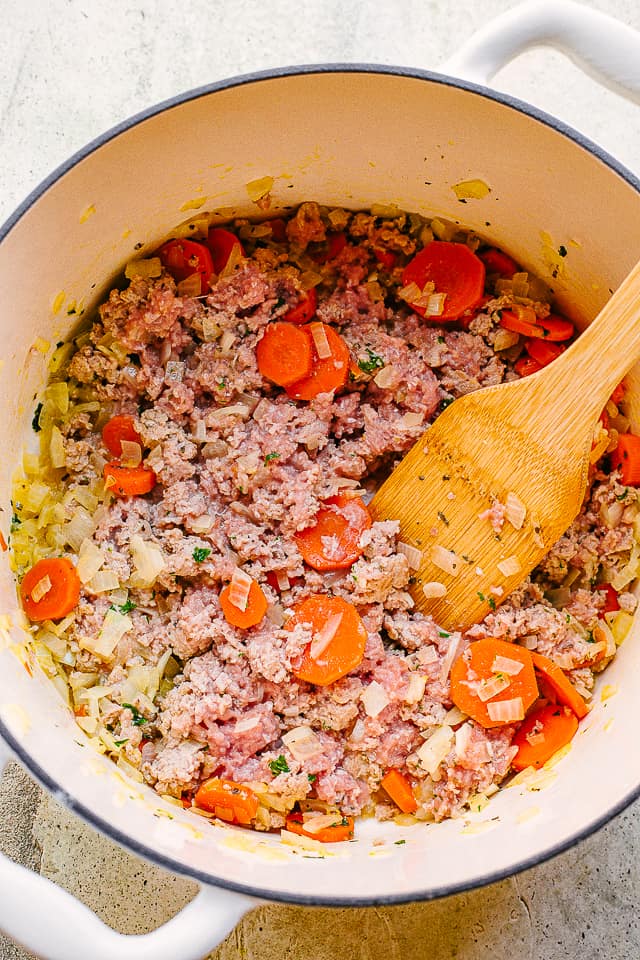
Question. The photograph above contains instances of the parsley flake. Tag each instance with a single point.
(200, 554)
(125, 607)
(446, 402)
(492, 603)
(138, 718)
(279, 765)
(374, 362)
(271, 456)
(121, 743)
(481, 596)
(443, 634)
(312, 777)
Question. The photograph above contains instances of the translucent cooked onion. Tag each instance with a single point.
(435, 304)
(385, 377)
(510, 566)
(103, 582)
(227, 340)
(41, 589)
(413, 555)
(191, 286)
(415, 689)
(79, 528)
(445, 560)
(239, 589)
(114, 627)
(246, 723)
(148, 560)
(147, 269)
(411, 419)
(215, 448)
(202, 524)
(210, 329)
(233, 410)
(323, 349)
(374, 699)
(56, 449)
(434, 750)
(131, 453)
(491, 687)
(90, 559)
(434, 589)
(506, 711)
(302, 743)
(514, 511)
(323, 638)
(506, 665)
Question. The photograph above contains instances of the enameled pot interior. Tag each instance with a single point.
(350, 137)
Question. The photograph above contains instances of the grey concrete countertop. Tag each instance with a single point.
(69, 70)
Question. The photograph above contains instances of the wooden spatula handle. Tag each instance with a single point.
(582, 379)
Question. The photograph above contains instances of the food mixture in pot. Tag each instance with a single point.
(204, 581)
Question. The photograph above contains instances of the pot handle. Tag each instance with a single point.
(605, 48)
(53, 925)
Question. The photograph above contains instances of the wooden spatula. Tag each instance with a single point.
(526, 444)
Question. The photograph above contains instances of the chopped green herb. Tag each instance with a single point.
(269, 457)
(568, 617)
(35, 423)
(562, 250)
(279, 765)
(441, 340)
(312, 777)
(492, 603)
(443, 634)
(138, 718)
(121, 743)
(125, 607)
(375, 362)
(481, 595)
(15, 522)
(622, 496)
(398, 843)
(200, 554)
(446, 402)
(442, 517)
(221, 384)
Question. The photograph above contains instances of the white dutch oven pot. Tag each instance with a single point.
(352, 135)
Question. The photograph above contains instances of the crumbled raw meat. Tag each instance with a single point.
(241, 469)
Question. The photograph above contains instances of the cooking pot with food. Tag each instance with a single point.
(356, 137)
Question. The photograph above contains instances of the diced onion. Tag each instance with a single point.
(114, 627)
(492, 687)
(282, 580)
(148, 560)
(413, 555)
(507, 665)
(510, 566)
(131, 453)
(56, 449)
(481, 751)
(411, 419)
(210, 330)
(410, 293)
(174, 371)
(259, 189)
(215, 449)
(445, 560)
(227, 340)
(233, 410)
(435, 749)
(506, 711)
(41, 589)
(202, 524)
(453, 717)
(415, 689)
(315, 822)
(435, 304)
(504, 339)
(79, 528)
(90, 559)
(434, 589)
(303, 843)
(455, 642)
(143, 268)
(428, 655)
(191, 286)
(246, 723)
(275, 613)
(103, 582)
(320, 341)
(200, 431)
(603, 634)
(239, 589)
(374, 699)
(323, 638)
(514, 511)
(385, 377)
(302, 743)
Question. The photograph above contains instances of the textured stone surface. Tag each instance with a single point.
(69, 70)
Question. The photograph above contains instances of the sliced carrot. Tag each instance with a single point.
(118, 429)
(626, 459)
(284, 353)
(58, 578)
(254, 612)
(525, 323)
(525, 366)
(326, 375)
(557, 328)
(228, 800)
(222, 244)
(544, 732)
(342, 829)
(496, 261)
(128, 481)
(542, 352)
(333, 542)
(564, 689)
(305, 310)
(272, 580)
(454, 270)
(611, 598)
(619, 393)
(339, 638)
(183, 258)
(475, 667)
(3, 543)
(399, 789)
(278, 229)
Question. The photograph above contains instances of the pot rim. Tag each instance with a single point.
(61, 795)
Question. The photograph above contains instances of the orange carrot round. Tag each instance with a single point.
(254, 612)
(304, 310)
(626, 459)
(228, 800)
(56, 586)
(560, 683)
(284, 354)
(339, 638)
(333, 542)
(399, 789)
(327, 375)
(618, 394)
(128, 481)
(454, 270)
(521, 324)
(475, 673)
(525, 366)
(542, 352)
(342, 829)
(542, 734)
(118, 429)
